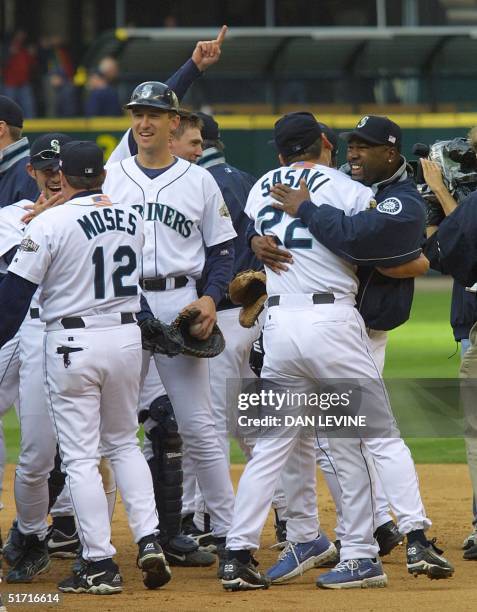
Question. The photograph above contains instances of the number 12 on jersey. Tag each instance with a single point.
(126, 269)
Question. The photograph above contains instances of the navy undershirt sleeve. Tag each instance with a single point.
(218, 270)
(181, 80)
(15, 297)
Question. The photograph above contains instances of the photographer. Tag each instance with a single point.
(451, 249)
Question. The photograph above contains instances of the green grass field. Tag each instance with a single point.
(422, 348)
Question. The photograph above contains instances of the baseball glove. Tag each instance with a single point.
(211, 347)
(161, 338)
(249, 290)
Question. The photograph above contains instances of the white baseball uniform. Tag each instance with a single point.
(232, 363)
(183, 213)
(86, 259)
(9, 353)
(38, 442)
(302, 342)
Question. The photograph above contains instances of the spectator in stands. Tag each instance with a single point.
(103, 99)
(109, 68)
(64, 94)
(56, 67)
(18, 64)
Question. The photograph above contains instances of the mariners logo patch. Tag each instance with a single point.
(390, 206)
(224, 211)
(28, 246)
(363, 121)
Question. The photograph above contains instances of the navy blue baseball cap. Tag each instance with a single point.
(10, 112)
(295, 132)
(376, 130)
(45, 150)
(210, 129)
(81, 158)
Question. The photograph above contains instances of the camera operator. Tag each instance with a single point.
(451, 249)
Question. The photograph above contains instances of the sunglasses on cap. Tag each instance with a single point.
(45, 155)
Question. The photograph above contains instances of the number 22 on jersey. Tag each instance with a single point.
(270, 217)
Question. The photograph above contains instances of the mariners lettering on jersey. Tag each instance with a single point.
(292, 177)
(164, 213)
(102, 220)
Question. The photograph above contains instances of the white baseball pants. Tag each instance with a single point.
(186, 381)
(93, 396)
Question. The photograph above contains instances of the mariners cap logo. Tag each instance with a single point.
(146, 91)
(363, 121)
(55, 146)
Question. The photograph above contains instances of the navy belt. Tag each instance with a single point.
(78, 322)
(318, 298)
(160, 284)
(35, 313)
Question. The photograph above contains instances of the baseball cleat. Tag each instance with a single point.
(183, 551)
(222, 556)
(334, 560)
(152, 562)
(98, 578)
(388, 537)
(205, 540)
(470, 540)
(354, 574)
(62, 545)
(239, 576)
(470, 546)
(14, 545)
(34, 561)
(428, 560)
(296, 559)
(280, 533)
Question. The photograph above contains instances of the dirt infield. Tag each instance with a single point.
(446, 492)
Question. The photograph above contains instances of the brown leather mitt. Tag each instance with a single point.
(249, 290)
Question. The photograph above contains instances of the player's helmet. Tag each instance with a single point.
(154, 94)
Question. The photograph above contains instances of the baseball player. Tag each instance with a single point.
(388, 234)
(85, 258)
(232, 363)
(184, 214)
(186, 141)
(386, 532)
(38, 443)
(310, 314)
(15, 183)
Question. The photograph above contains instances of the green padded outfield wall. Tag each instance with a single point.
(247, 137)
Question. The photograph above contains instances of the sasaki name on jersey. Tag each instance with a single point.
(292, 178)
(102, 220)
(166, 214)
